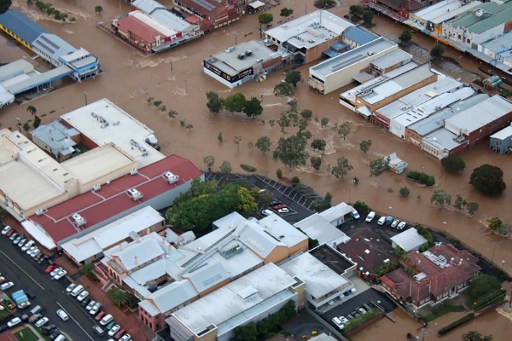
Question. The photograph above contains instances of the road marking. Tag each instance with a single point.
(78, 324)
(13, 262)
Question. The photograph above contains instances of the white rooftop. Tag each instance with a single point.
(234, 298)
(281, 230)
(95, 242)
(310, 30)
(169, 297)
(151, 22)
(392, 58)
(431, 12)
(319, 278)
(139, 252)
(104, 122)
(409, 239)
(503, 134)
(317, 227)
(335, 212)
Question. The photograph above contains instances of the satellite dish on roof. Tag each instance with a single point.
(479, 12)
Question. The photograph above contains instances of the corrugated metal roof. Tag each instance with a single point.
(358, 35)
(52, 45)
(21, 25)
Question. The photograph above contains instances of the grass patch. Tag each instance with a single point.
(248, 168)
(442, 309)
(26, 334)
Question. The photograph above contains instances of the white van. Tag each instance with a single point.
(35, 310)
(337, 322)
(63, 315)
(78, 289)
(60, 338)
(370, 217)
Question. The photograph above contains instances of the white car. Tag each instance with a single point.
(28, 245)
(126, 337)
(61, 273)
(343, 319)
(54, 272)
(34, 252)
(90, 305)
(70, 288)
(355, 215)
(381, 220)
(266, 213)
(114, 330)
(6, 229)
(63, 315)
(31, 249)
(395, 222)
(41, 322)
(6, 285)
(370, 217)
(402, 225)
(95, 309)
(14, 322)
(82, 296)
(106, 319)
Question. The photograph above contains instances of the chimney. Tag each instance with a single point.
(135, 260)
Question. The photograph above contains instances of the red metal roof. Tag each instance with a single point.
(112, 199)
(138, 28)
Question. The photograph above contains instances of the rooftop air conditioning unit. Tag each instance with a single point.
(134, 171)
(241, 56)
(171, 178)
(134, 194)
(248, 53)
(96, 187)
(40, 211)
(78, 220)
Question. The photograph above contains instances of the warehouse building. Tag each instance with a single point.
(501, 142)
(340, 70)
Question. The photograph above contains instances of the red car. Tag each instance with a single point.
(119, 334)
(280, 206)
(100, 315)
(50, 268)
(11, 231)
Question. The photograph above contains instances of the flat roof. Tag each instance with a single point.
(409, 239)
(95, 242)
(433, 11)
(53, 46)
(147, 6)
(282, 230)
(111, 199)
(503, 134)
(336, 212)
(104, 122)
(484, 17)
(452, 14)
(392, 58)
(228, 61)
(21, 25)
(263, 284)
(442, 139)
(310, 30)
(479, 115)
(171, 20)
(500, 45)
(346, 59)
(153, 23)
(317, 227)
(12, 69)
(319, 278)
(397, 84)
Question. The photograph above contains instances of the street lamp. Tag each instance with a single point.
(85, 97)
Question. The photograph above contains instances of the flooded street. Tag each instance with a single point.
(175, 77)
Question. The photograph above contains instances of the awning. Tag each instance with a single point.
(256, 4)
(41, 237)
(364, 111)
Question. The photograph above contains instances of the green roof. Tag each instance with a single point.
(494, 14)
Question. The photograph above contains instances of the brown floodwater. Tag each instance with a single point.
(176, 78)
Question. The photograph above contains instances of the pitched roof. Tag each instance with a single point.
(139, 29)
(409, 239)
(358, 35)
(21, 25)
(139, 253)
(169, 297)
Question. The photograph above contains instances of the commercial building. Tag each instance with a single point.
(91, 246)
(397, 9)
(355, 36)
(57, 139)
(324, 287)
(251, 298)
(318, 228)
(77, 63)
(409, 240)
(10, 74)
(340, 70)
(501, 142)
(244, 62)
(498, 52)
(211, 14)
(307, 37)
(439, 273)
(155, 185)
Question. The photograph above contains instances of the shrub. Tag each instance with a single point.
(404, 192)
(248, 168)
(459, 322)
(279, 173)
(362, 207)
(422, 178)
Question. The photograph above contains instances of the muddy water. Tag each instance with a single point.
(176, 78)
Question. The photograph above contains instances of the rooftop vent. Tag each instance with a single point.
(96, 187)
(134, 194)
(78, 220)
(248, 53)
(134, 171)
(40, 211)
(241, 56)
(170, 177)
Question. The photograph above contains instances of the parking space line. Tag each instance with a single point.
(78, 324)
(13, 262)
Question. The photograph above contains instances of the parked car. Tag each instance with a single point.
(95, 309)
(6, 229)
(22, 242)
(126, 337)
(361, 310)
(343, 319)
(402, 225)
(395, 222)
(381, 220)
(8, 234)
(338, 322)
(389, 220)
(30, 249)
(266, 213)
(119, 334)
(370, 217)
(13, 236)
(61, 273)
(54, 272)
(6, 285)
(110, 325)
(98, 330)
(50, 268)
(83, 295)
(38, 257)
(24, 317)
(41, 322)
(17, 240)
(106, 319)
(90, 305)
(85, 302)
(280, 206)
(14, 322)
(35, 253)
(63, 315)
(355, 215)
(113, 331)
(100, 316)
(283, 210)
(275, 202)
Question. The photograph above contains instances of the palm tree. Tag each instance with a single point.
(118, 296)
(31, 109)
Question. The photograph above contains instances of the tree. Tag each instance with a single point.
(405, 37)
(225, 167)
(209, 161)
(344, 129)
(235, 102)
(460, 202)
(265, 18)
(318, 144)
(404, 192)
(264, 143)
(32, 110)
(324, 122)
(453, 164)
(440, 198)
(495, 223)
(292, 151)
(37, 122)
(472, 207)
(365, 145)
(253, 107)
(368, 17)
(476, 336)
(119, 297)
(315, 161)
(246, 332)
(306, 114)
(481, 286)
(341, 168)
(214, 102)
(284, 121)
(378, 166)
(283, 89)
(293, 77)
(437, 52)
(286, 12)
(98, 10)
(4, 5)
(488, 179)
(356, 10)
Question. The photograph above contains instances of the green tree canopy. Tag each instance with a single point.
(306, 114)
(265, 18)
(440, 198)
(356, 10)
(405, 37)
(293, 77)
(253, 107)
(209, 161)
(225, 167)
(31, 109)
(488, 179)
(378, 166)
(4, 5)
(98, 9)
(368, 17)
(283, 89)
(316, 162)
(119, 297)
(214, 102)
(318, 144)
(235, 102)
(344, 129)
(286, 12)
(437, 52)
(341, 168)
(263, 143)
(495, 223)
(292, 151)
(476, 336)
(481, 286)
(325, 4)
(453, 163)
(365, 145)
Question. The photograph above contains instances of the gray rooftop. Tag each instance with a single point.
(147, 6)
(170, 20)
(484, 17)
(13, 69)
(228, 61)
(140, 252)
(392, 58)
(503, 134)
(317, 227)
(358, 35)
(346, 59)
(57, 137)
(21, 25)
(409, 239)
(501, 46)
(53, 45)
(169, 297)
(442, 139)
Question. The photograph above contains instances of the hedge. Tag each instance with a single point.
(459, 322)
(248, 168)
(422, 178)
